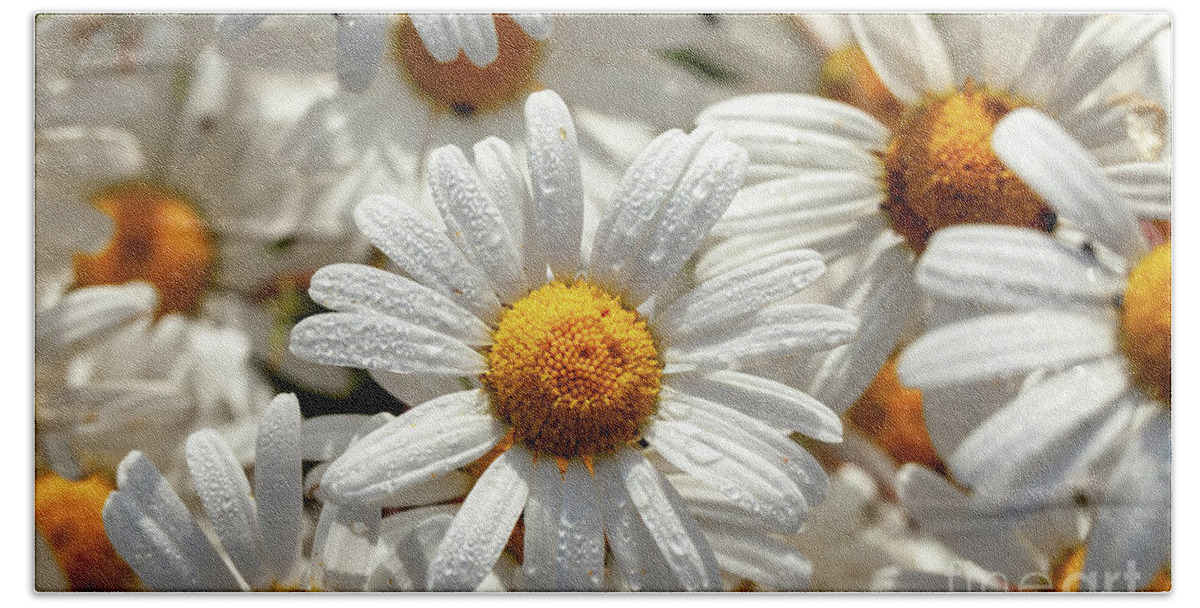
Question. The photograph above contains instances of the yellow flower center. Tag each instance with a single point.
(573, 371)
(68, 515)
(462, 86)
(941, 169)
(1146, 323)
(159, 238)
(848, 77)
(892, 414)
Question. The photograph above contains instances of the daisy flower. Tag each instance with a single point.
(1087, 326)
(362, 38)
(419, 82)
(260, 535)
(831, 177)
(155, 167)
(575, 362)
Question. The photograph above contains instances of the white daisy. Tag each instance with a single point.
(260, 535)
(362, 38)
(572, 373)
(172, 166)
(1091, 323)
(828, 176)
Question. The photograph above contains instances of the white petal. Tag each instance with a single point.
(1042, 70)
(225, 493)
(477, 34)
(407, 543)
(779, 151)
(1002, 266)
(886, 300)
(747, 478)
(564, 535)
(147, 549)
(740, 292)
(483, 524)
(140, 482)
(1133, 522)
(324, 437)
(467, 206)
(358, 288)
(86, 313)
(1045, 157)
(701, 196)
(421, 444)
(1145, 187)
(759, 557)
(278, 494)
(382, 343)
(640, 564)
(644, 188)
(418, 247)
(802, 199)
(1107, 42)
(780, 329)
(679, 539)
(343, 545)
(554, 170)
(84, 160)
(837, 238)
(1000, 346)
(1038, 420)
(990, 49)
(537, 25)
(944, 512)
(505, 180)
(776, 446)
(772, 402)
(439, 36)
(360, 46)
(906, 52)
(806, 112)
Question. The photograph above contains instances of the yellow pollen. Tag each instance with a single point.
(1067, 570)
(941, 169)
(848, 77)
(573, 371)
(892, 415)
(68, 515)
(1146, 323)
(462, 86)
(158, 238)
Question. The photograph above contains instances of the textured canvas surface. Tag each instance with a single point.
(603, 302)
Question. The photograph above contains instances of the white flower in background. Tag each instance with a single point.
(109, 378)
(406, 99)
(828, 176)
(574, 374)
(362, 38)
(1089, 325)
(174, 167)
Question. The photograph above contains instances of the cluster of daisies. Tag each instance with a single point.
(535, 302)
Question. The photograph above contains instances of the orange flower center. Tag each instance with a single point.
(941, 169)
(1146, 323)
(68, 515)
(462, 86)
(573, 371)
(158, 238)
(892, 415)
